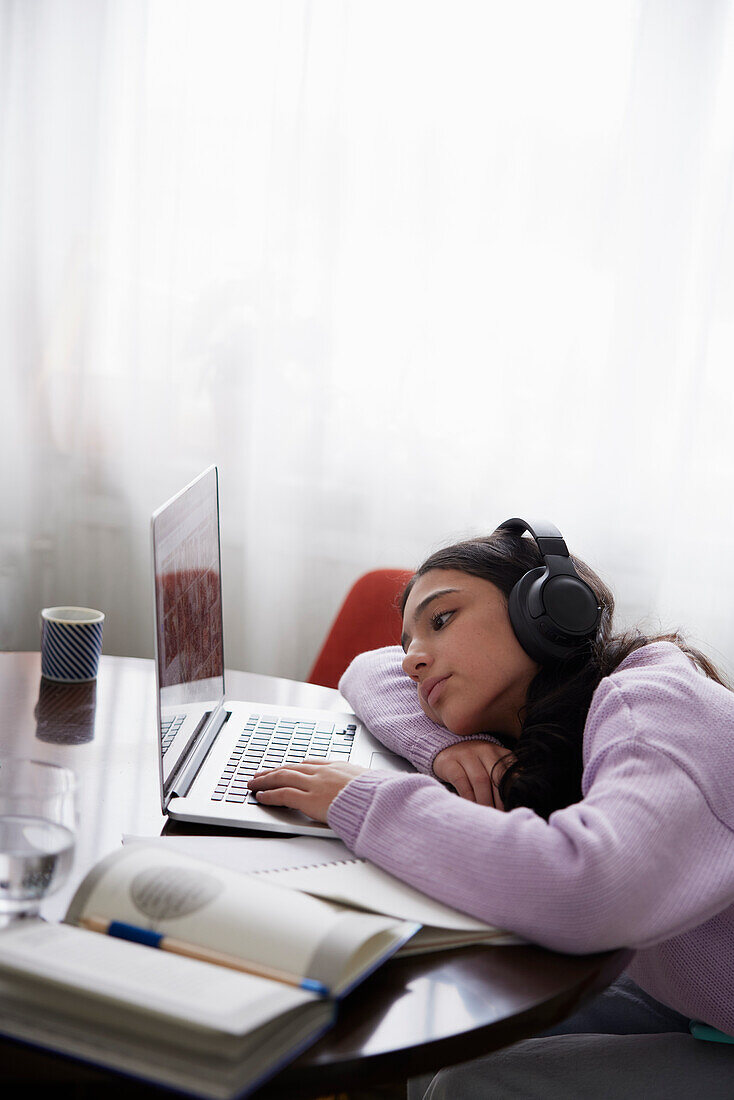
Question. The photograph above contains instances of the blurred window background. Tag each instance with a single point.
(401, 269)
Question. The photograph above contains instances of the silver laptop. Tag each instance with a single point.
(209, 746)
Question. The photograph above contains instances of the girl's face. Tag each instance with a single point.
(460, 649)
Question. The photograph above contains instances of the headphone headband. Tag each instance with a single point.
(548, 537)
(553, 612)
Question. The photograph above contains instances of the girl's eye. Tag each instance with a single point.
(439, 619)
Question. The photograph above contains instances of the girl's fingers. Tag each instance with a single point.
(459, 780)
(307, 767)
(297, 777)
(308, 787)
(481, 786)
(472, 781)
(289, 797)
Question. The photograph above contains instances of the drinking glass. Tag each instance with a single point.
(37, 833)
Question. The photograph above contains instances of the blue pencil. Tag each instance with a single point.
(146, 936)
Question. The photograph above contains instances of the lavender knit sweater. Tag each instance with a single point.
(644, 860)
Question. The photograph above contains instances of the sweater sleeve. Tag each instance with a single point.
(385, 699)
(641, 858)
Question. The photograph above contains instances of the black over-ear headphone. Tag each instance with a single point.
(552, 611)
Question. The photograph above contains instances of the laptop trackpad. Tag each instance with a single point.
(391, 761)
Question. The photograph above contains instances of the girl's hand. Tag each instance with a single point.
(469, 766)
(310, 786)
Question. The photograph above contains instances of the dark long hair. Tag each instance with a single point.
(545, 774)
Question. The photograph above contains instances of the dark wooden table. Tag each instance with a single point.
(412, 1016)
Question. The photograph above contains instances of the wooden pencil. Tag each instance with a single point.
(150, 938)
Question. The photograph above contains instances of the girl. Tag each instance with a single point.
(596, 811)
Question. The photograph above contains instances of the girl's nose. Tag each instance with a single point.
(416, 661)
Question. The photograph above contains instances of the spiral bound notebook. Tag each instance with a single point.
(361, 885)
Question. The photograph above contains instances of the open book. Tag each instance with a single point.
(362, 885)
(202, 1026)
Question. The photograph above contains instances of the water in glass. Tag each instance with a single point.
(35, 857)
(37, 833)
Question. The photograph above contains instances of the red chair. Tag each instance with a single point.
(368, 619)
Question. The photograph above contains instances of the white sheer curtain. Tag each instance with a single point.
(402, 269)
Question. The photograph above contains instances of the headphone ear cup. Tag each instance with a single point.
(525, 626)
(540, 635)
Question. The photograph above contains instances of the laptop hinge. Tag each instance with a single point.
(190, 767)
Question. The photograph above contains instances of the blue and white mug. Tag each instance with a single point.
(71, 643)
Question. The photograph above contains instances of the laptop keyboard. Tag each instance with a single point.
(268, 741)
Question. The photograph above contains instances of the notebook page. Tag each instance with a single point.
(357, 882)
(248, 853)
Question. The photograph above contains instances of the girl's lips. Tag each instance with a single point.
(432, 688)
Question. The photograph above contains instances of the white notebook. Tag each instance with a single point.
(362, 885)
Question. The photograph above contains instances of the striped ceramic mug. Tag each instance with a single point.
(71, 643)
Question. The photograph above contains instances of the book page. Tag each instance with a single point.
(236, 914)
(152, 982)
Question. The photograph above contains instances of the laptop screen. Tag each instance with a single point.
(188, 615)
